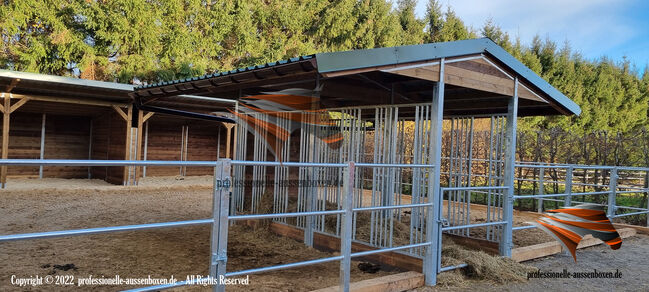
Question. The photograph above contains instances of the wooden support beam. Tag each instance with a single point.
(17, 105)
(526, 253)
(392, 283)
(228, 128)
(328, 242)
(138, 147)
(5, 137)
(128, 147)
(71, 100)
(147, 116)
(638, 229)
(121, 112)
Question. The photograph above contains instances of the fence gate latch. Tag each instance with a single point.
(444, 222)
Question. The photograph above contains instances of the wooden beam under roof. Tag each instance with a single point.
(70, 100)
(479, 74)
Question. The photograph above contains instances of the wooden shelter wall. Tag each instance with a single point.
(108, 143)
(66, 137)
(165, 143)
(202, 145)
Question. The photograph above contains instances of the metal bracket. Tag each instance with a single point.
(444, 222)
(218, 259)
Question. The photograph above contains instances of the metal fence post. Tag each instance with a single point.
(506, 242)
(346, 232)
(221, 207)
(612, 187)
(433, 229)
(541, 189)
(568, 199)
(646, 189)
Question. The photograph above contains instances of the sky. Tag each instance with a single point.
(595, 28)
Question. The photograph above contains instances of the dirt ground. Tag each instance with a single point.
(59, 204)
(631, 260)
(70, 204)
(478, 213)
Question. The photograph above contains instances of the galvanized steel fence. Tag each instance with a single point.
(436, 219)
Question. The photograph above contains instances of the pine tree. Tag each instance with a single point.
(413, 28)
(434, 21)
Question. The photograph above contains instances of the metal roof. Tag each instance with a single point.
(226, 73)
(42, 84)
(357, 59)
(366, 59)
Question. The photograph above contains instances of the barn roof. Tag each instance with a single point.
(380, 68)
(50, 85)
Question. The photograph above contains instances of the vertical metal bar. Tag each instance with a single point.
(89, 147)
(182, 148)
(541, 188)
(218, 142)
(186, 149)
(568, 186)
(42, 156)
(646, 189)
(346, 233)
(310, 193)
(506, 242)
(220, 213)
(146, 146)
(612, 187)
(490, 174)
(433, 224)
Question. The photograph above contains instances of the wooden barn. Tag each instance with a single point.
(52, 117)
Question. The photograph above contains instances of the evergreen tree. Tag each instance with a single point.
(434, 21)
(413, 28)
(150, 41)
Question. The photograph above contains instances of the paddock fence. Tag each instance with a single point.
(564, 185)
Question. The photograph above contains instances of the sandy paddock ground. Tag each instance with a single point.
(61, 204)
(478, 214)
(35, 206)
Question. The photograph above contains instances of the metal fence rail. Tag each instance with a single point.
(614, 182)
(221, 218)
(499, 226)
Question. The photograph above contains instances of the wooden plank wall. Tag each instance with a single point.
(100, 142)
(202, 145)
(165, 141)
(66, 137)
(108, 142)
(24, 142)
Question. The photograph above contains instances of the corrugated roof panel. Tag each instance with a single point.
(234, 71)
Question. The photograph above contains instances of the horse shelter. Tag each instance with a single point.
(378, 154)
(53, 117)
(406, 117)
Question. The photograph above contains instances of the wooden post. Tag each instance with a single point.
(129, 136)
(228, 142)
(138, 147)
(42, 154)
(145, 119)
(128, 116)
(6, 110)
